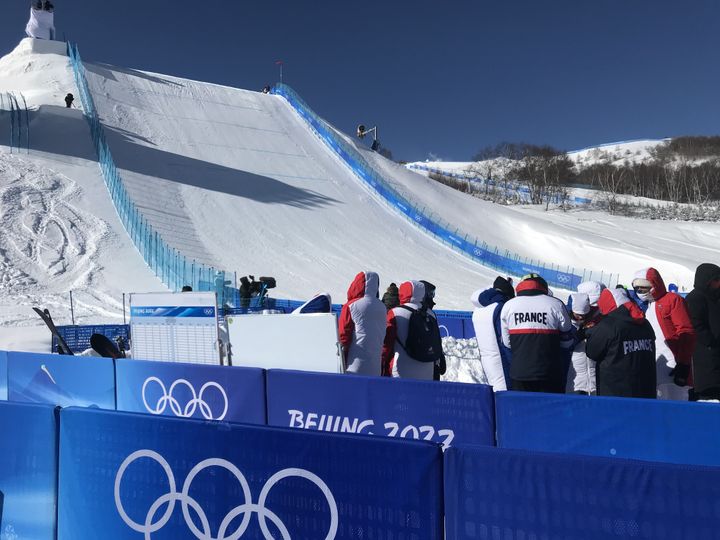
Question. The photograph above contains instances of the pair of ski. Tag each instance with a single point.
(100, 343)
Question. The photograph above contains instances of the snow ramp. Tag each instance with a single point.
(234, 179)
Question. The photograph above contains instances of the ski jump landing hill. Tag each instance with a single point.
(222, 178)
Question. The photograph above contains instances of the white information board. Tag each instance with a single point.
(175, 327)
(307, 342)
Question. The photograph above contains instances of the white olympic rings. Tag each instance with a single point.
(246, 509)
(196, 401)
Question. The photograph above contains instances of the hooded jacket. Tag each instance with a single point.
(396, 360)
(535, 327)
(668, 314)
(623, 347)
(581, 375)
(704, 307)
(362, 325)
(494, 355)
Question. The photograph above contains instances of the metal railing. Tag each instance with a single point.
(168, 264)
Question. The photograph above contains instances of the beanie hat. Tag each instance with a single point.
(504, 286)
(592, 289)
(533, 282)
(580, 303)
(611, 299)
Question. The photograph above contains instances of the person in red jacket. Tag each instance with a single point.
(362, 325)
(675, 336)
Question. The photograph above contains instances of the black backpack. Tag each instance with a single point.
(423, 342)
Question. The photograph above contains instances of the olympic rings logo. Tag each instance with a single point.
(246, 509)
(196, 401)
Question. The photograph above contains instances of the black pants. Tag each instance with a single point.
(548, 386)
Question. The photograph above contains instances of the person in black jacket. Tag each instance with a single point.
(703, 303)
(428, 303)
(537, 328)
(623, 346)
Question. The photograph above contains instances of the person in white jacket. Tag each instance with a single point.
(395, 359)
(581, 373)
(494, 355)
(362, 325)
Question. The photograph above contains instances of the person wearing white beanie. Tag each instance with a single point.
(581, 372)
(592, 289)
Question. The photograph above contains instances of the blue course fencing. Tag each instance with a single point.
(171, 266)
(443, 412)
(123, 473)
(500, 494)
(493, 257)
(19, 120)
(652, 430)
(28, 471)
(240, 481)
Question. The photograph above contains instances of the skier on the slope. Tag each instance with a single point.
(69, 100)
(41, 24)
(362, 325)
(494, 355)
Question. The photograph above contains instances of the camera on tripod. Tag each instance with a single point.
(249, 288)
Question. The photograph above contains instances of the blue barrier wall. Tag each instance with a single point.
(61, 380)
(3, 376)
(28, 471)
(232, 394)
(233, 481)
(446, 413)
(564, 277)
(496, 494)
(674, 432)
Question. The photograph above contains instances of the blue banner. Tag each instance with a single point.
(173, 311)
(231, 394)
(493, 493)
(61, 380)
(166, 478)
(3, 376)
(28, 472)
(446, 413)
(673, 432)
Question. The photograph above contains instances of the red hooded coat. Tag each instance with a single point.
(668, 314)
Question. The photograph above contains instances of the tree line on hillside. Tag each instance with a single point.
(681, 170)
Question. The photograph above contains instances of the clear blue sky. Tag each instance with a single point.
(441, 78)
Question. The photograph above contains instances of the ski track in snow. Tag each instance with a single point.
(47, 242)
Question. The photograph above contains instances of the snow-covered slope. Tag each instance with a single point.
(240, 174)
(236, 179)
(59, 228)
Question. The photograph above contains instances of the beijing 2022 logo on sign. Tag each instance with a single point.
(196, 400)
(247, 509)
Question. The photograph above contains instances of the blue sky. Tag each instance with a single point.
(439, 78)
